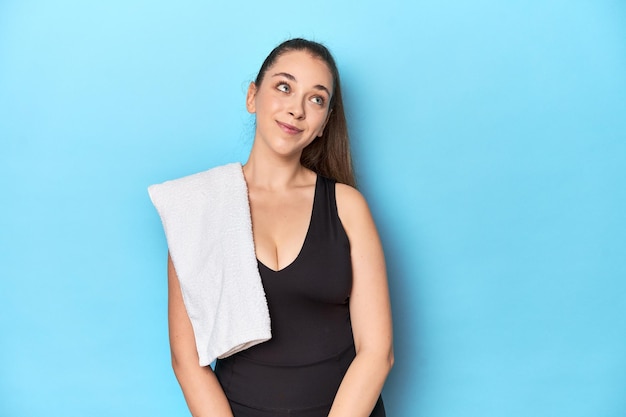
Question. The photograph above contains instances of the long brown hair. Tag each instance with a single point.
(328, 155)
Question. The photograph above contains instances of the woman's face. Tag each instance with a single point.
(292, 103)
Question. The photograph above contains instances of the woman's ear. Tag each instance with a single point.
(250, 104)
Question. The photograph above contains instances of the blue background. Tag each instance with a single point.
(489, 138)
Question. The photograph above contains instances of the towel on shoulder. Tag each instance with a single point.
(207, 223)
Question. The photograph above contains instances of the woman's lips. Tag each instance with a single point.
(287, 128)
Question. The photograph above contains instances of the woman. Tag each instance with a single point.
(319, 257)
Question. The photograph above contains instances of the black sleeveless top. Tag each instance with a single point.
(299, 370)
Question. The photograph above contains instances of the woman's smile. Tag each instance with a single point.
(287, 128)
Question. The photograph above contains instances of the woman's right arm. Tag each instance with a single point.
(202, 391)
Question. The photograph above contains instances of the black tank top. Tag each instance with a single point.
(298, 371)
(308, 299)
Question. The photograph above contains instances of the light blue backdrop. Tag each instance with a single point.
(489, 137)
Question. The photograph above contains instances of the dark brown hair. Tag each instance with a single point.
(328, 155)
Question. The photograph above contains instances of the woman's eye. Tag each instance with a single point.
(318, 100)
(283, 87)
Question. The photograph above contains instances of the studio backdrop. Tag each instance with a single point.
(489, 138)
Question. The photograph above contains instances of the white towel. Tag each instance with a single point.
(207, 223)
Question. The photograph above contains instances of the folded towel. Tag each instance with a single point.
(207, 223)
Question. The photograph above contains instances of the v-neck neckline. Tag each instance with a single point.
(306, 236)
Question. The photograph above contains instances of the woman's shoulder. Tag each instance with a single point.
(351, 206)
(348, 194)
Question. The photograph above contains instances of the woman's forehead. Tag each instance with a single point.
(304, 67)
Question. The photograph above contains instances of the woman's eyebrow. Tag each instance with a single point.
(286, 75)
(292, 78)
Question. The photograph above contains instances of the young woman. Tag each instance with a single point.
(319, 257)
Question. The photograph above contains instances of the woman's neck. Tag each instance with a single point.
(274, 173)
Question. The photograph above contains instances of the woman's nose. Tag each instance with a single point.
(296, 108)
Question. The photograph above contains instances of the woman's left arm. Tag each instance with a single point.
(370, 310)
